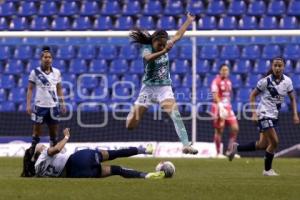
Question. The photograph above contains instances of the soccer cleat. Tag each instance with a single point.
(149, 149)
(155, 175)
(271, 172)
(220, 156)
(189, 150)
(231, 153)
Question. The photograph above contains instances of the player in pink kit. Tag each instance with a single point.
(222, 113)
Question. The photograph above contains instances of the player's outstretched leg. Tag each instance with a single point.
(129, 173)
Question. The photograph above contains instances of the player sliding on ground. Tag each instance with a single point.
(273, 89)
(52, 162)
(221, 109)
(156, 85)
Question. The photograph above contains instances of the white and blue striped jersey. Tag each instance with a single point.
(272, 95)
(46, 94)
(51, 166)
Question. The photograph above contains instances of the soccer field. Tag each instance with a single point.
(194, 179)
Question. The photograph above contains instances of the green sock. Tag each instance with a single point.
(179, 127)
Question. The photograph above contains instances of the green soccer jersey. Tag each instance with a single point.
(157, 72)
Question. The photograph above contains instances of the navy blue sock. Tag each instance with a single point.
(126, 173)
(131, 151)
(247, 147)
(35, 140)
(268, 160)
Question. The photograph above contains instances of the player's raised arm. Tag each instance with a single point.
(179, 34)
(294, 107)
(59, 146)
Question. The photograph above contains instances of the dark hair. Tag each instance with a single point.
(222, 65)
(144, 37)
(28, 163)
(45, 49)
(270, 71)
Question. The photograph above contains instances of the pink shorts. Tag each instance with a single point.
(217, 122)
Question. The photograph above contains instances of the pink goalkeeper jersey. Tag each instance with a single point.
(223, 88)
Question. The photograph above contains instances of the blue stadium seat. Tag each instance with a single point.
(261, 66)
(59, 64)
(276, 8)
(14, 67)
(185, 52)
(204, 94)
(86, 52)
(7, 81)
(209, 52)
(173, 53)
(111, 8)
(153, 8)
(48, 8)
(173, 8)
(195, 7)
(103, 23)
(98, 66)
(291, 51)
(236, 80)
(19, 24)
(61, 24)
(4, 52)
(65, 52)
(146, 22)
(271, 51)
(7, 9)
(182, 94)
(289, 66)
(181, 67)
(23, 81)
(203, 66)
(252, 80)
(124, 23)
(227, 23)
(118, 66)
(167, 22)
(17, 95)
(288, 22)
(71, 78)
(297, 68)
(294, 7)
(137, 67)
(78, 66)
(268, 22)
(3, 96)
(100, 93)
(3, 24)
(27, 9)
(176, 80)
(23, 52)
(242, 66)
(111, 79)
(7, 106)
(129, 52)
(82, 23)
(248, 22)
(237, 8)
(296, 83)
(230, 52)
(132, 8)
(32, 64)
(251, 52)
(89, 8)
(40, 24)
(187, 81)
(88, 82)
(207, 23)
(257, 8)
(68, 8)
(243, 94)
(215, 8)
(107, 52)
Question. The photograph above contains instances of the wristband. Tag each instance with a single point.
(67, 137)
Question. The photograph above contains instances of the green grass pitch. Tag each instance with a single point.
(194, 179)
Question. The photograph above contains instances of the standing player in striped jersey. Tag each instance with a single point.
(273, 89)
(156, 81)
(48, 99)
(222, 110)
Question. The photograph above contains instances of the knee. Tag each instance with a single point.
(261, 145)
(274, 144)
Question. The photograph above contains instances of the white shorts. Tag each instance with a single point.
(154, 94)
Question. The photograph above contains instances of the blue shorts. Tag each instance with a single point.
(42, 115)
(84, 164)
(266, 123)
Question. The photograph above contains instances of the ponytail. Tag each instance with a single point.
(143, 37)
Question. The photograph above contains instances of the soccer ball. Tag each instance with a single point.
(167, 167)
